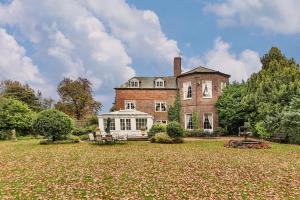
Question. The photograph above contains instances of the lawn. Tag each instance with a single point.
(141, 170)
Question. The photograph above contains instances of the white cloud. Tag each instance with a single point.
(14, 64)
(276, 16)
(240, 67)
(88, 38)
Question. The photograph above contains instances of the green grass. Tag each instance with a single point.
(141, 170)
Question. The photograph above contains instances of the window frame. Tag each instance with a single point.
(112, 124)
(162, 121)
(126, 126)
(139, 124)
(159, 83)
(136, 83)
(223, 85)
(186, 85)
(211, 89)
(212, 121)
(160, 106)
(130, 102)
(187, 124)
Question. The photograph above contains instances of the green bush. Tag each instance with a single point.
(177, 140)
(15, 115)
(174, 130)
(162, 138)
(84, 137)
(157, 128)
(194, 133)
(84, 131)
(53, 124)
(261, 130)
(220, 131)
(5, 135)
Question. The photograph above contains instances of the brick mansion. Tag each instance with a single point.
(142, 101)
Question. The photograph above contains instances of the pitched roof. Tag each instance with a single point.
(204, 70)
(148, 82)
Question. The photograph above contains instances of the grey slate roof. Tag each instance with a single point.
(201, 69)
(148, 82)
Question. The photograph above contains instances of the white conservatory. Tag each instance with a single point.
(126, 122)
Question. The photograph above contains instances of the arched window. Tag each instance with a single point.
(134, 83)
(159, 83)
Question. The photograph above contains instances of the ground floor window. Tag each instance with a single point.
(125, 124)
(141, 123)
(207, 121)
(162, 121)
(188, 121)
(112, 124)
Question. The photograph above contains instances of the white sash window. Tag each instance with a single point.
(187, 90)
(207, 89)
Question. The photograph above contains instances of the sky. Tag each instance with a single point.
(110, 41)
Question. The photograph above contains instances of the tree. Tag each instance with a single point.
(230, 107)
(271, 89)
(16, 90)
(195, 120)
(76, 98)
(15, 115)
(175, 110)
(53, 124)
(290, 123)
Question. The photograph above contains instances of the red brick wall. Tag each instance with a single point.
(197, 103)
(145, 100)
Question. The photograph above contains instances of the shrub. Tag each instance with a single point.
(162, 138)
(174, 130)
(194, 133)
(84, 137)
(261, 130)
(15, 115)
(157, 128)
(53, 124)
(84, 131)
(5, 135)
(91, 120)
(220, 131)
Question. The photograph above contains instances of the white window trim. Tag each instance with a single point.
(212, 121)
(210, 97)
(129, 101)
(183, 89)
(185, 120)
(159, 80)
(224, 86)
(135, 81)
(160, 102)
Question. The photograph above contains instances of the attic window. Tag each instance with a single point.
(134, 83)
(159, 83)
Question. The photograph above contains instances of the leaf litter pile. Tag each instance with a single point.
(202, 169)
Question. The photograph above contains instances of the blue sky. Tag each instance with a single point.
(111, 41)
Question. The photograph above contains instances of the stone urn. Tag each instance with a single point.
(13, 135)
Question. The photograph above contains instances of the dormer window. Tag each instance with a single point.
(134, 83)
(159, 83)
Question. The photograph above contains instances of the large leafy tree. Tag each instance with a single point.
(24, 93)
(15, 115)
(290, 120)
(271, 89)
(230, 107)
(76, 98)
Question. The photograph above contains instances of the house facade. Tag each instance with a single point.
(199, 90)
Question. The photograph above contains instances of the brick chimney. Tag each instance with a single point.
(177, 66)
